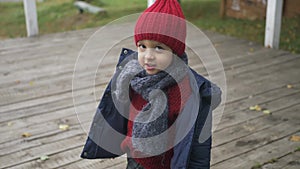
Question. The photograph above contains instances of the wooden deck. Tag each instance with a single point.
(36, 97)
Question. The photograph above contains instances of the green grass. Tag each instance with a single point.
(61, 15)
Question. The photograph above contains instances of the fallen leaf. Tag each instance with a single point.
(26, 134)
(258, 108)
(252, 108)
(251, 50)
(267, 112)
(295, 138)
(289, 86)
(9, 123)
(64, 126)
(31, 83)
(18, 81)
(44, 158)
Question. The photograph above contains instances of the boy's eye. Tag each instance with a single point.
(142, 46)
(159, 48)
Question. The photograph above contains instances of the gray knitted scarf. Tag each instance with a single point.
(152, 120)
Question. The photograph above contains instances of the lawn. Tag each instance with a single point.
(61, 15)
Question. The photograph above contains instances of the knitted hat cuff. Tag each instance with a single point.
(177, 46)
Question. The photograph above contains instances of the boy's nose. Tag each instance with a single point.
(149, 54)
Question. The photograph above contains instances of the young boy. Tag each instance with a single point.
(155, 106)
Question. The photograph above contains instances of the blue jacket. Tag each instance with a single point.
(189, 153)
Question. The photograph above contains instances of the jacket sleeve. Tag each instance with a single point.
(200, 155)
(103, 140)
(109, 127)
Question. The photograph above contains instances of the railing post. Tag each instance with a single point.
(31, 17)
(273, 23)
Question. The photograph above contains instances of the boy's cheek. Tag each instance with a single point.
(141, 60)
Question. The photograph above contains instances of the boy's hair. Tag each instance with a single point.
(163, 22)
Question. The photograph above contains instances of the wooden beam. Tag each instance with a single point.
(223, 8)
(31, 17)
(273, 23)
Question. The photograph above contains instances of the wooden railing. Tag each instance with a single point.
(273, 23)
(31, 17)
(272, 30)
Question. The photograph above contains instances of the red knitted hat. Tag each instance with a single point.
(163, 22)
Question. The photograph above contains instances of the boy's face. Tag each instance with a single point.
(154, 56)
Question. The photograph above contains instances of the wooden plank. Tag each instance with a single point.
(246, 115)
(273, 23)
(51, 138)
(47, 122)
(117, 163)
(260, 122)
(254, 141)
(52, 104)
(36, 152)
(289, 161)
(259, 97)
(70, 159)
(259, 77)
(70, 36)
(41, 141)
(259, 155)
(55, 161)
(40, 89)
(31, 18)
(19, 144)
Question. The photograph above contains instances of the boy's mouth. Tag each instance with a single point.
(149, 66)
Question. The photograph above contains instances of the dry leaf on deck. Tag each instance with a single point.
(26, 134)
(256, 108)
(64, 126)
(44, 157)
(31, 83)
(267, 112)
(295, 138)
(289, 86)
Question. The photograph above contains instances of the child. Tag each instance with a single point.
(155, 106)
